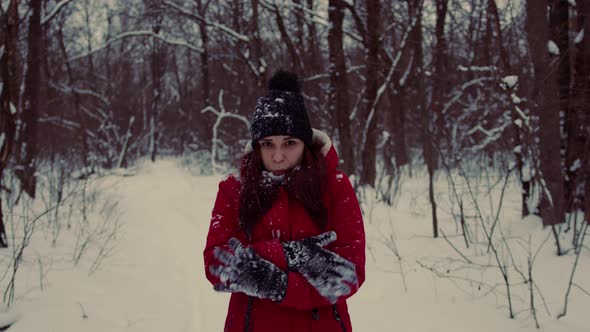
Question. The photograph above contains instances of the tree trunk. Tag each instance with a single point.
(439, 77)
(495, 18)
(559, 23)
(580, 135)
(338, 100)
(315, 57)
(300, 29)
(576, 134)
(89, 33)
(205, 79)
(82, 129)
(517, 132)
(156, 64)
(285, 36)
(256, 46)
(368, 172)
(428, 131)
(8, 96)
(546, 98)
(27, 144)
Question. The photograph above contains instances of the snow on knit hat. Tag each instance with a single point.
(281, 111)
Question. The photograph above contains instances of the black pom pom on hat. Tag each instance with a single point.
(282, 111)
(285, 81)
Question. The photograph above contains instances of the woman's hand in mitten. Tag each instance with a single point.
(329, 273)
(245, 271)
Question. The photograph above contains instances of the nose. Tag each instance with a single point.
(278, 156)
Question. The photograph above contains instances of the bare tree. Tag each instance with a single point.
(8, 95)
(429, 132)
(576, 119)
(338, 98)
(368, 147)
(27, 133)
(545, 55)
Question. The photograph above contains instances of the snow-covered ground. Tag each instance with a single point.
(152, 276)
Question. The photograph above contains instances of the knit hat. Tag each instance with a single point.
(281, 111)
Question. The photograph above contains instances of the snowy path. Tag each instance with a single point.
(154, 280)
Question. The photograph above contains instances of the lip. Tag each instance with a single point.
(280, 172)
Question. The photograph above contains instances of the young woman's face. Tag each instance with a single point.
(281, 153)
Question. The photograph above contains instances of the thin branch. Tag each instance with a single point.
(381, 89)
(216, 25)
(316, 18)
(571, 282)
(137, 33)
(455, 248)
(54, 11)
(580, 288)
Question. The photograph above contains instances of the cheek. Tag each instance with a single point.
(266, 159)
(296, 156)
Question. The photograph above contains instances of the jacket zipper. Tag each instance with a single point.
(337, 317)
(248, 313)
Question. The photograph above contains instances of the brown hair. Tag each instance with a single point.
(305, 182)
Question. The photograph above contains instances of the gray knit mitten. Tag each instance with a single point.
(245, 271)
(329, 273)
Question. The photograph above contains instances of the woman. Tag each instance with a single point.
(286, 236)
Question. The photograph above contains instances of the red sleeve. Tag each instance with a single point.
(346, 220)
(224, 225)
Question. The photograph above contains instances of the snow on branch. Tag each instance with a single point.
(199, 18)
(136, 34)
(404, 78)
(327, 75)
(552, 48)
(510, 81)
(383, 86)
(579, 37)
(68, 90)
(491, 135)
(54, 11)
(459, 92)
(221, 114)
(477, 68)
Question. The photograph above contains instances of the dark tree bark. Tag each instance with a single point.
(313, 50)
(8, 96)
(237, 14)
(579, 123)
(576, 134)
(89, 32)
(299, 23)
(494, 17)
(368, 171)
(401, 102)
(297, 66)
(205, 78)
(547, 103)
(76, 99)
(156, 71)
(517, 132)
(435, 111)
(256, 46)
(338, 98)
(27, 143)
(440, 63)
(559, 23)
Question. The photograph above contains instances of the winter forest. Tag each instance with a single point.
(463, 126)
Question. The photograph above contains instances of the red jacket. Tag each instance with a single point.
(302, 309)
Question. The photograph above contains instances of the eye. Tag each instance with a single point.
(291, 142)
(265, 144)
